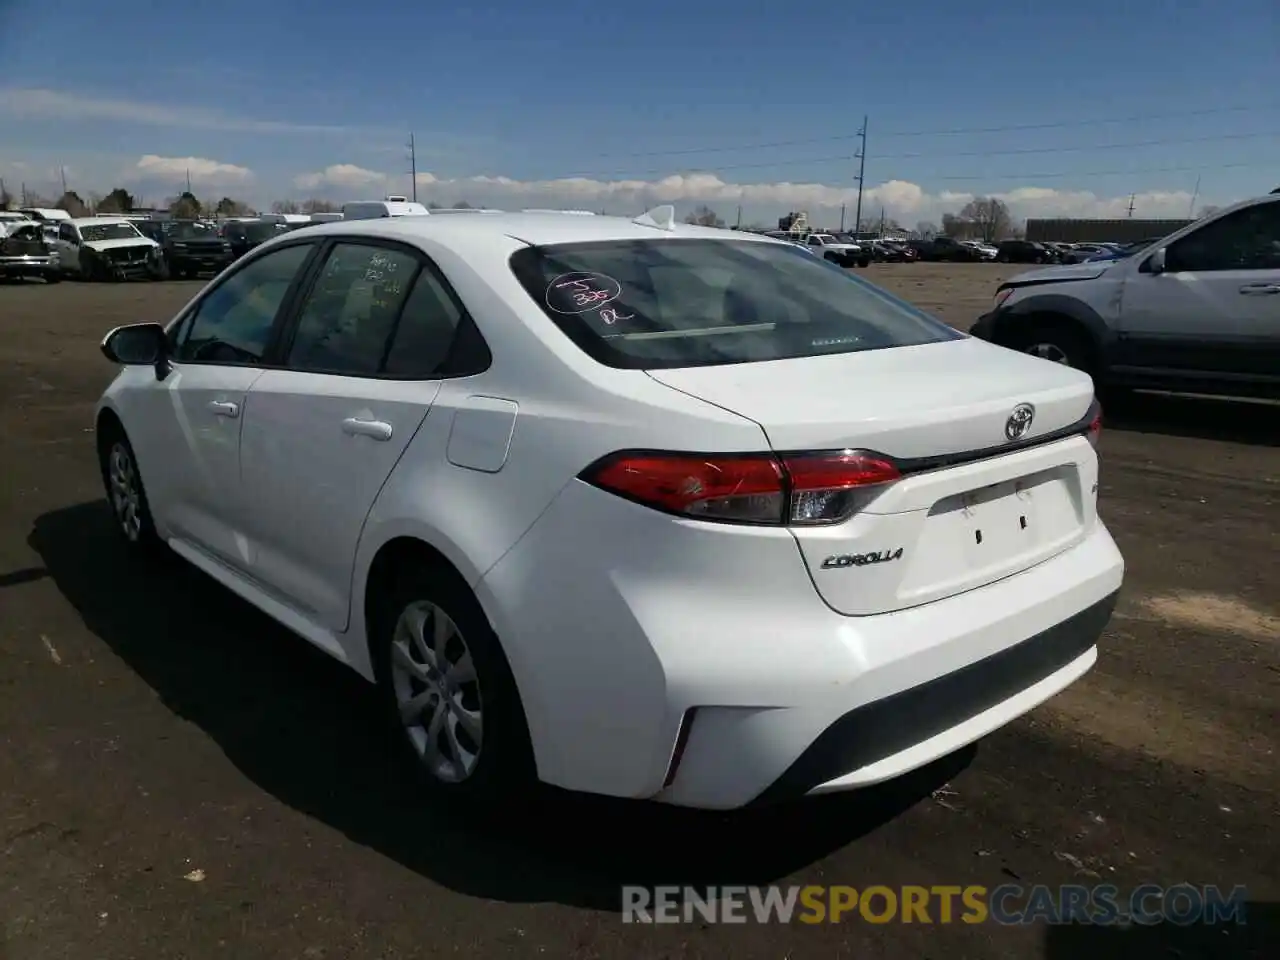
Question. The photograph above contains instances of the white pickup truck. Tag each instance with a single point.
(844, 252)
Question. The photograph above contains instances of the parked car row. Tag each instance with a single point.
(112, 248)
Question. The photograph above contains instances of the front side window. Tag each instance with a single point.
(683, 302)
(1248, 239)
(233, 321)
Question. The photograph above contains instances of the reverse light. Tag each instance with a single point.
(1003, 295)
(795, 489)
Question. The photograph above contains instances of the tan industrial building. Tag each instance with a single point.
(1126, 230)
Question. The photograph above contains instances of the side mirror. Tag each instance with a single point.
(138, 344)
(1156, 263)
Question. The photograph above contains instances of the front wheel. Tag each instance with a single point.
(1055, 342)
(126, 495)
(448, 690)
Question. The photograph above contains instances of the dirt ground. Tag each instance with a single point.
(181, 778)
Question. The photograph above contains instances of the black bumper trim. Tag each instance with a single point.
(884, 727)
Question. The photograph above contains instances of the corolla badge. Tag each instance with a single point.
(1019, 422)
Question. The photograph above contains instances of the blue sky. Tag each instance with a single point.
(1057, 107)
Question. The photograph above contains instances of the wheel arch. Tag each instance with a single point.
(413, 548)
(105, 422)
(1057, 308)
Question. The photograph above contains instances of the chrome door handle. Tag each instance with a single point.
(355, 427)
(224, 408)
(1260, 289)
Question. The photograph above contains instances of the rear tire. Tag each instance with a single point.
(53, 277)
(447, 690)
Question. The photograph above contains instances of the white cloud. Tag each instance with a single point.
(902, 200)
(26, 103)
(203, 172)
(342, 176)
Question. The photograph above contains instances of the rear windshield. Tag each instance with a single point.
(649, 304)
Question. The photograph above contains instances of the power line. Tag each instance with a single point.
(1083, 149)
(1111, 173)
(843, 158)
(956, 131)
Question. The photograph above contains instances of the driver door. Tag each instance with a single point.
(187, 426)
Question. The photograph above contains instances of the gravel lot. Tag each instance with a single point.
(182, 778)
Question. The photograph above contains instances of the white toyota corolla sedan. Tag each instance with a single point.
(629, 506)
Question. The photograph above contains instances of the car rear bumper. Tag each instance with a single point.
(695, 664)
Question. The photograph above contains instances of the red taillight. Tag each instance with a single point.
(795, 489)
(1095, 423)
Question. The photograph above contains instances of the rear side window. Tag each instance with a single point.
(351, 311)
(649, 304)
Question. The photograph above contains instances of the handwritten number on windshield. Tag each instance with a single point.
(582, 292)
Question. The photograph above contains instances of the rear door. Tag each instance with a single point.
(323, 433)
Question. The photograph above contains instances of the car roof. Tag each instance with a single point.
(97, 221)
(531, 228)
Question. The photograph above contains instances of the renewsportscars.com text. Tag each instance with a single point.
(1008, 904)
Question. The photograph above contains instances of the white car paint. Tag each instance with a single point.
(656, 655)
(823, 243)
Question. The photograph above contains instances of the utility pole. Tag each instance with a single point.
(63, 172)
(738, 225)
(1195, 194)
(842, 218)
(862, 169)
(24, 193)
(413, 167)
(1132, 197)
(4, 195)
(882, 222)
(188, 180)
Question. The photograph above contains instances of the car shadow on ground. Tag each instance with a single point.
(306, 730)
(1252, 937)
(1203, 418)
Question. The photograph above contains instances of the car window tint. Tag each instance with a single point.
(426, 331)
(232, 323)
(348, 317)
(685, 302)
(1248, 239)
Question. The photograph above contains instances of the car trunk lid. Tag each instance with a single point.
(981, 496)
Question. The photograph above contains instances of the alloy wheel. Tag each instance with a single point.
(1049, 351)
(126, 490)
(437, 691)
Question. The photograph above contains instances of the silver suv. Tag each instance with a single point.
(1197, 311)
